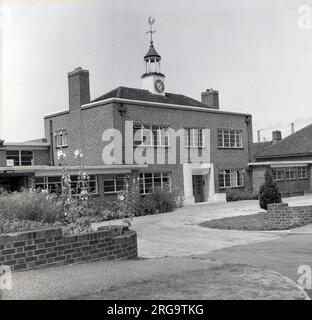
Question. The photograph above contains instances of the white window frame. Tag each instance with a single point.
(275, 174)
(233, 178)
(20, 158)
(162, 175)
(61, 139)
(289, 170)
(238, 138)
(151, 129)
(193, 143)
(300, 171)
(46, 184)
(115, 183)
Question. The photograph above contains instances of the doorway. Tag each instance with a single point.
(198, 188)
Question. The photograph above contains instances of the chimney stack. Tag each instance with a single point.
(276, 136)
(292, 128)
(210, 98)
(79, 89)
(259, 137)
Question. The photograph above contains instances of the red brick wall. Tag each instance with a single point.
(282, 217)
(31, 249)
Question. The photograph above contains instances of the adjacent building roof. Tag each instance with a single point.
(298, 143)
(259, 147)
(145, 95)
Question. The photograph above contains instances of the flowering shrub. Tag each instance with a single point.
(15, 225)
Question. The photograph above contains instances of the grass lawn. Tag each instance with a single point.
(253, 222)
(223, 282)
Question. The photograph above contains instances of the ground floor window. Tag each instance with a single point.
(154, 182)
(278, 174)
(114, 182)
(231, 178)
(54, 184)
(302, 173)
(290, 174)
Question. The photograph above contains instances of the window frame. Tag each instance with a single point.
(61, 135)
(20, 151)
(124, 176)
(288, 170)
(159, 136)
(276, 178)
(301, 170)
(198, 140)
(236, 133)
(233, 174)
(162, 176)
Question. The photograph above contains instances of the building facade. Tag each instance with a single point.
(130, 110)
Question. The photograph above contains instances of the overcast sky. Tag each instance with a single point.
(251, 51)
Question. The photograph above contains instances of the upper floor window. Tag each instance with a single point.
(19, 157)
(193, 137)
(154, 182)
(54, 184)
(61, 139)
(151, 135)
(231, 178)
(114, 182)
(230, 138)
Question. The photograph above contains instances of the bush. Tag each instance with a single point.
(237, 195)
(12, 226)
(269, 192)
(30, 205)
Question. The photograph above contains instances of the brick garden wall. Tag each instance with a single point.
(281, 216)
(31, 249)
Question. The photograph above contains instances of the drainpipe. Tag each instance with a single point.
(51, 144)
(122, 109)
(248, 121)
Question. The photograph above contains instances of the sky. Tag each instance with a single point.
(253, 52)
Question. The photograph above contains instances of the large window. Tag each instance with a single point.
(151, 135)
(114, 182)
(61, 139)
(20, 157)
(155, 181)
(231, 178)
(302, 173)
(290, 173)
(230, 138)
(54, 184)
(193, 137)
(278, 174)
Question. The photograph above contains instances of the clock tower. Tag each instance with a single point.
(153, 80)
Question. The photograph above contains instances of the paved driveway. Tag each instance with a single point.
(177, 233)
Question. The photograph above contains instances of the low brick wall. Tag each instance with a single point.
(31, 249)
(281, 216)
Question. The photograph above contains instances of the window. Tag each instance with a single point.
(302, 173)
(193, 137)
(231, 178)
(61, 139)
(20, 157)
(230, 138)
(278, 174)
(153, 182)
(54, 184)
(151, 135)
(114, 182)
(290, 174)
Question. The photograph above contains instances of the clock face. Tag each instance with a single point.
(159, 86)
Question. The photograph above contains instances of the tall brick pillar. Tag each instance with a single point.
(79, 88)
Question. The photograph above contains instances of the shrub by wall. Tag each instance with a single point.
(31, 249)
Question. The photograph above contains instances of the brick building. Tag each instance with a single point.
(81, 127)
(290, 159)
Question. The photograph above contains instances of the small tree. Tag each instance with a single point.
(269, 192)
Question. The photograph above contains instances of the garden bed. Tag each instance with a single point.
(253, 222)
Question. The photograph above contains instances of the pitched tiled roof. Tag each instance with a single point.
(259, 147)
(299, 143)
(145, 95)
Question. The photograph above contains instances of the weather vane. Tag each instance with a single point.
(151, 21)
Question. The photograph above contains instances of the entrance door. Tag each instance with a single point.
(198, 188)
